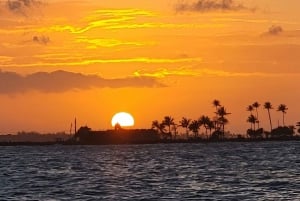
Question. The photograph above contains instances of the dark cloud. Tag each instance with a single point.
(43, 40)
(21, 6)
(62, 81)
(211, 5)
(275, 30)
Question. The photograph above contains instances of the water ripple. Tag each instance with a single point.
(215, 171)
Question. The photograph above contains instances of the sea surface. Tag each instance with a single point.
(212, 171)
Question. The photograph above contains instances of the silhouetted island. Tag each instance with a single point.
(166, 131)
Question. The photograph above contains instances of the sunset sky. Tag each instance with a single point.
(62, 59)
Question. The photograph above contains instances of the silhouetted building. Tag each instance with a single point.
(118, 136)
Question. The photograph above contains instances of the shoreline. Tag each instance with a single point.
(179, 141)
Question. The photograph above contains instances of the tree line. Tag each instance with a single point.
(255, 131)
(214, 128)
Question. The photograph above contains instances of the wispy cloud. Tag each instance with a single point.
(52, 62)
(62, 81)
(125, 24)
(5, 59)
(211, 6)
(121, 12)
(104, 18)
(162, 73)
(103, 42)
(110, 19)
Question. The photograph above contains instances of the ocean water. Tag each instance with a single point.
(213, 171)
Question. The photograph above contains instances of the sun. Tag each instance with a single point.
(123, 118)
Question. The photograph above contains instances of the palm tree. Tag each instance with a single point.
(216, 103)
(252, 120)
(210, 126)
(256, 106)
(174, 128)
(184, 123)
(158, 126)
(194, 127)
(298, 124)
(204, 120)
(221, 112)
(250, 108)
(223, 121)
(268, 106)
(282, 108)
(215, 122)
(168, 121)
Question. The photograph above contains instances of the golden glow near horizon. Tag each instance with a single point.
(124, 119)
(160, 58)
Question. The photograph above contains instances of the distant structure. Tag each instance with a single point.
(71, 127)
(118, 127)
(86, 135)
(75, 128)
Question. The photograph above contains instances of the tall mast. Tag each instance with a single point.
(71, 128)
(75, 128)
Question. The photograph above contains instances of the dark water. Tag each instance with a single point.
(216, 171)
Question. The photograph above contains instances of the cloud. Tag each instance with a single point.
(43, 40)
(81, 61)
(22, 6)
(211, 6)
(190, 72)
(5, 59)
(103, 42)
(62, 81)
(275, 30)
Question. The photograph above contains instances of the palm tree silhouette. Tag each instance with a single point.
(298, 124)
(184, 123)
(252, 120)
(223, 121)
(268, 106)
(250, 108)
(158, 126)
(221, 112)
(168, 121)
(204, 120)
(216, 103)
(282, 108)
(194, 127)
(210, 126)
(174, 128)
(256, 106)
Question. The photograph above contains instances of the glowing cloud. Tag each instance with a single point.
(62, 81)
(162, 73)
(102, 42)
(88, 61)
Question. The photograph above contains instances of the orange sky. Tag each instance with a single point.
(90, 59)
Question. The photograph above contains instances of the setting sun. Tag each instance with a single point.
(122, 118)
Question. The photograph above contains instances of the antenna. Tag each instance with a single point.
(75, 128)
(71, 128)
